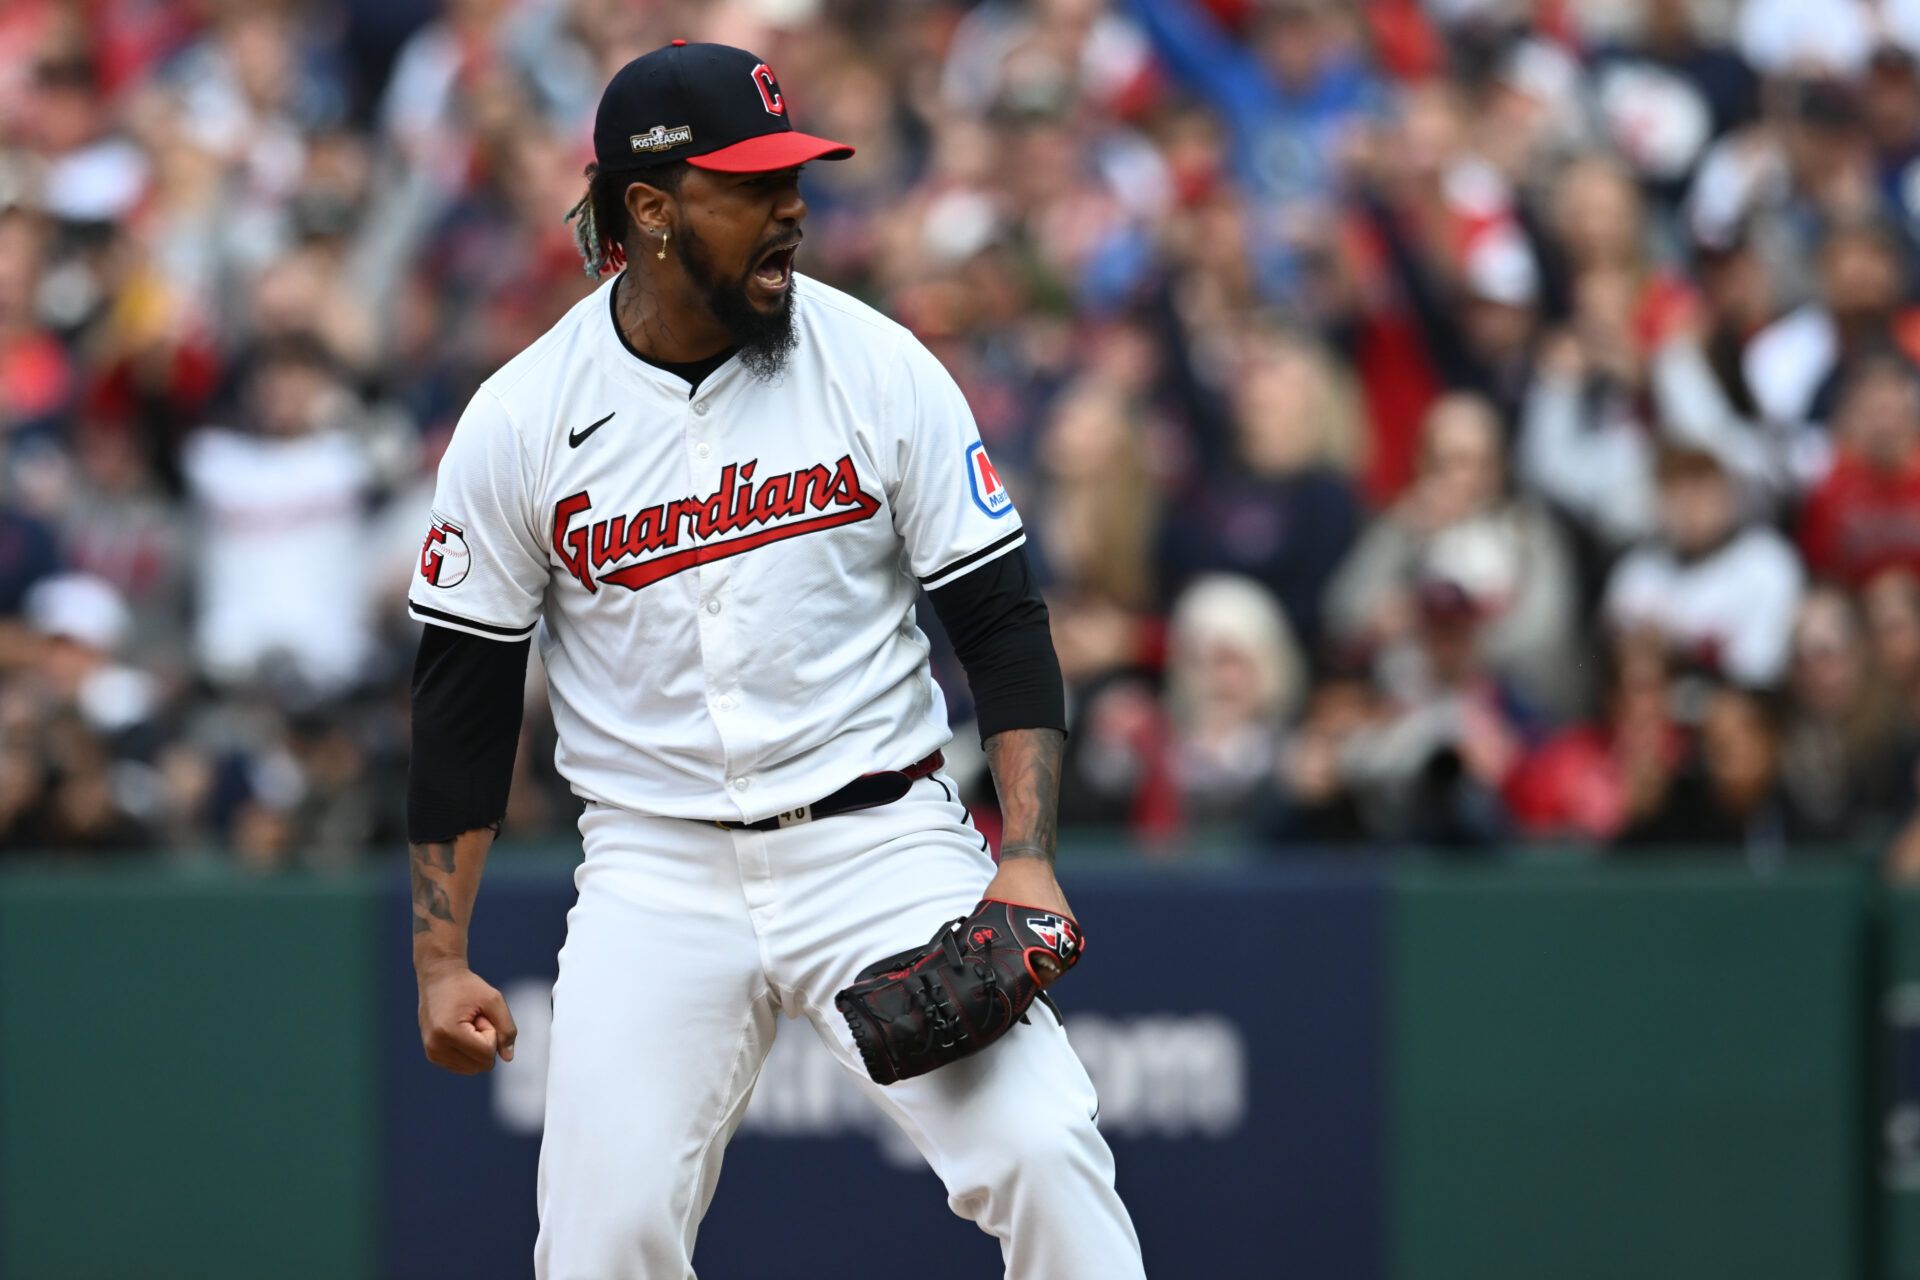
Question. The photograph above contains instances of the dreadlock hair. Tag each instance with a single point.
(603, 210)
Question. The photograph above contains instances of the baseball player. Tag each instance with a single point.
(712, 492)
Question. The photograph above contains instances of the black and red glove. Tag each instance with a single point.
(960, 992)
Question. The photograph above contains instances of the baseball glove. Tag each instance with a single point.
(960, 992)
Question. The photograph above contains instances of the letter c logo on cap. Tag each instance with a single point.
(769, 90)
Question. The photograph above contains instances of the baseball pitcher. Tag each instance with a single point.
(711, 493)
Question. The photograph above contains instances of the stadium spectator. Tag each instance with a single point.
(1288, 92)
(1722, 594)
(1277, 503)
(1666, 95)
(1865, 516)
(1593, 781)
(1782, 36)
(1775, 185)
(1837, 759)
(1445, 288)
(37, 375)
(79, 715)
(1101, 520)
(1462, 522)
(83, 625)
(1730, 798)
(1598, 226)
(1793, 365)
(1903, 860)
(1585, 442)
(1316, 803)
(1235, 676)
(279, 507)
(117, 522)
(1698, 380)
(1118, 771)
(1890, 108)
(1431, 766)
(1891, 603)
(1452, 326)
(28, 550)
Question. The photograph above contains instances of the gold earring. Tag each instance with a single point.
(663, 247)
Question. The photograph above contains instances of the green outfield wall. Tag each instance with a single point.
(1896, 1134)
(186, 1077)
(1592, 1073)
(1604, 1074)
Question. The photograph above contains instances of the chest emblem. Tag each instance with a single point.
(742, 514)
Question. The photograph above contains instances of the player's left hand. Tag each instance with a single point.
(917, 1011)
(1030, 882)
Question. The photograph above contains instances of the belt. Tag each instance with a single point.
(868, 791)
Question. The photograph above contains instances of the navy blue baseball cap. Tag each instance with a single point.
(712, 105)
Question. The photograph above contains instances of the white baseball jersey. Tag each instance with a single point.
(723, 584)
(1736, 603)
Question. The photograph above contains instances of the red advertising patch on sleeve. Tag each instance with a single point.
(989, 494)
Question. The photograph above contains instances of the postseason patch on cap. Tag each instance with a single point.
(661, 138)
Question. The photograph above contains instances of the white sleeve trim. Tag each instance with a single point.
(454, 622)
(968, 563)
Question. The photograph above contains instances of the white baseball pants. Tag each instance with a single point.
(688, 939)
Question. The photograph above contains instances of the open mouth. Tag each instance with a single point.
(774, 271)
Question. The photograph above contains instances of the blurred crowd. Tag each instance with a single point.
(1439, 423)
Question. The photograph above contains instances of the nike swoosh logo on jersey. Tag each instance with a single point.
(574, 438)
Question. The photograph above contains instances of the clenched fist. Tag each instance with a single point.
(463, 1021)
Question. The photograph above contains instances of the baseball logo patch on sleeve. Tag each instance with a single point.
(444, 558)
(988, 493)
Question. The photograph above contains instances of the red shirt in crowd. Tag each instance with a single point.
(1862, 520)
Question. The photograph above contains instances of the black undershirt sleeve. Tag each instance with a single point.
(998, 624)
(467, 697)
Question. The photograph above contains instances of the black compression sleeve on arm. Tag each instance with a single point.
(998, 624)
(466, 725)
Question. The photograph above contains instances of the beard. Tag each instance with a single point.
(764, 339)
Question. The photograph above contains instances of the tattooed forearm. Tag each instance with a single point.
(1026, 775)
(446, 879)
(430, 901)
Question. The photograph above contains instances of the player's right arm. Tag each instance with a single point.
(467, 699)
(478, 588)
(464, 1021)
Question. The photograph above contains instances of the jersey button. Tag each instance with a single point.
(713, 606)
(701, 408)
(741, 784)
(723, 702)
(703, 450)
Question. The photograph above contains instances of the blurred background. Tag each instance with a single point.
(1472, 449)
